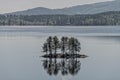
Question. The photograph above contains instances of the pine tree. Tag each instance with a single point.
(45, 48)
(56, 43)
(49, 42)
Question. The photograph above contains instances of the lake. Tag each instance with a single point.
(21, 51)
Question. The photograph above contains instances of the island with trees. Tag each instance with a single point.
(63, 48)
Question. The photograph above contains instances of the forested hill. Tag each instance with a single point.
(106, 18)
(93, 8)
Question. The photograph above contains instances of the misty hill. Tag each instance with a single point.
(80, 9)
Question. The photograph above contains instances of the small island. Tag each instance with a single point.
(63, 48)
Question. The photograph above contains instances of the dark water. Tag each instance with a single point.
(20, 58)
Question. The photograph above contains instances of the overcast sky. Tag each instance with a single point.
(18, 5)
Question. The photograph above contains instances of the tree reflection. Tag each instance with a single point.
(62, 55)
(64, 66)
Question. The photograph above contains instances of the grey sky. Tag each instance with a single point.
(18, 5)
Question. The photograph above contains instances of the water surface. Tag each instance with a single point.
(20, 56)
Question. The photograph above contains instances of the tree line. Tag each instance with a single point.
(106, 18)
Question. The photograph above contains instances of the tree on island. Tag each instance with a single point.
(49, 43)
(45, 48)
(77, 46)
(64, 44)
(55, 44)
(74, 45)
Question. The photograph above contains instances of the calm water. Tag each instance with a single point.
(20, 53)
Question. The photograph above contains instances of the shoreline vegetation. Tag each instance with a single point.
(99, 19)
(67, 56)
(64, 48)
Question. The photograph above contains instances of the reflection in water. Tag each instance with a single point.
(65, 66)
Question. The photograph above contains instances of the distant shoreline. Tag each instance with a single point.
(111, 18)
